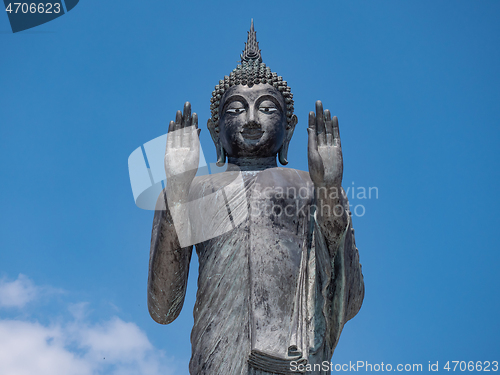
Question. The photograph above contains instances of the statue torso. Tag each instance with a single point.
(251, 273)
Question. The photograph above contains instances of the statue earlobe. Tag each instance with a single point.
(221, 155)
(283, 151)
(214, 132)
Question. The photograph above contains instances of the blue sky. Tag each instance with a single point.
(416, 88)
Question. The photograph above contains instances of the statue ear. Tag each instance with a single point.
(283, 152)
(214, 132)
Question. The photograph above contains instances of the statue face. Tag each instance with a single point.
(252, 121)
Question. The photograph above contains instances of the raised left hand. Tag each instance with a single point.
(324, 149)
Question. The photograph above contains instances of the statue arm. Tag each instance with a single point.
(169, 260)
(333, 214)
(326, 169)
(168, 266)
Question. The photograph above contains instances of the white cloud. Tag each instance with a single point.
(17, 293)
(73, 347)
(30, 348)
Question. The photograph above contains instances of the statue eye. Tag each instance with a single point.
(235, 110)
(268, 109)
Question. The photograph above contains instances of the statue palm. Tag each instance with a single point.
(324, 148)
(182, 154)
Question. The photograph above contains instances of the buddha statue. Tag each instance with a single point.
(279, 271)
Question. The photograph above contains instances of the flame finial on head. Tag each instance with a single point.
(251, 51)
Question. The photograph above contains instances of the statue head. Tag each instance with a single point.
(252, 110)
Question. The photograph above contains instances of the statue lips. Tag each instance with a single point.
(252, 131)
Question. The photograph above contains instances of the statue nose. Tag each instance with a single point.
(251, 116)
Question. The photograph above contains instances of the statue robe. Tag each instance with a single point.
(270, 291)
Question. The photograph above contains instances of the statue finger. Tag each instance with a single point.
(320, 123)
(194, 121)
(178, 120)
(336, 132)
(170, 135)
(195, 124)
(186, 118)
(194, 141)
(312, 143)
(311, 130)
(177, 128)
(312, 121)
(328, 127)
(186, 125)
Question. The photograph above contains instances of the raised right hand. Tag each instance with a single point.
(324, 150)
(183, 149)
